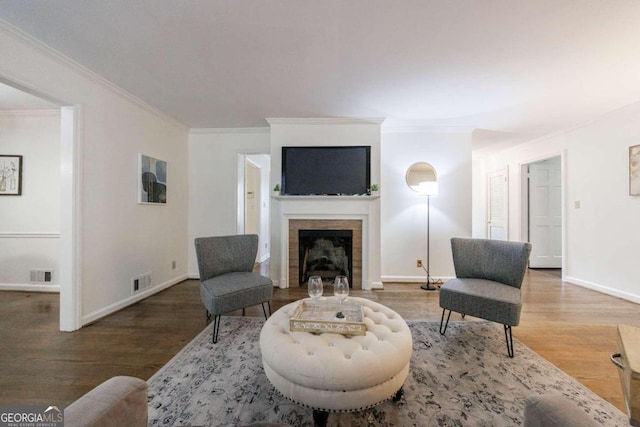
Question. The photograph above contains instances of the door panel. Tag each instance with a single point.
(498, 205)
(545, 214)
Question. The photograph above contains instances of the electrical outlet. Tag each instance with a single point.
(173, 265)
(419, 263)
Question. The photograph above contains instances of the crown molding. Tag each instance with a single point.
(30, 113)
(416, 127)
(326, 121)
(217, 131)
(69, 63)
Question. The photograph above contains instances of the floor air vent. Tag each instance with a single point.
(41, 275)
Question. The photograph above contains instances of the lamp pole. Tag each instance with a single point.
(428, 286)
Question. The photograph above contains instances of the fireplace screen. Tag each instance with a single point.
(325, 253)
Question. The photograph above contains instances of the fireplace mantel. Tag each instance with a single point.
(362, 208)
(334, 198)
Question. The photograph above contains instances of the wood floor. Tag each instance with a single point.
(572, 327)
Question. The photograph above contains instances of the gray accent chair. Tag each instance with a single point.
(227, 281)
(489, 274)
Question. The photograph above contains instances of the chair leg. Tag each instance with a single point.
(208, 315)
(216, 328)
(442, 331)
(509, 339)
(243, 312)
(265, 311)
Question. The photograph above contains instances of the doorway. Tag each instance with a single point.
(253, 203)
(498, 205)
(544, 212)
(252, 195)
(69, 188)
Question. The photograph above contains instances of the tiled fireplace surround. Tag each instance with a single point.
(354, 225)
(357, 213)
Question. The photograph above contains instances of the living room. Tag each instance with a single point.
(107, 238)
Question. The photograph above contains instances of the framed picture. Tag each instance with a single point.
(10, 175)
(634, 170)
(152, 180)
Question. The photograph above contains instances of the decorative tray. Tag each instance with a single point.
(326, 317)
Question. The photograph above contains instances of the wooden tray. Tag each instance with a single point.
(320, 317)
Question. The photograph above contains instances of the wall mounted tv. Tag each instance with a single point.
(327, 170)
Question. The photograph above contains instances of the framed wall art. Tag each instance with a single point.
(152, 180)
(10, 175)
(634, 170)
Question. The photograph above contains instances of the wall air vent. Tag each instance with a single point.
(41, 275)
(140, 282)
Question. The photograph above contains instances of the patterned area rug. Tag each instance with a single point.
(462, 379)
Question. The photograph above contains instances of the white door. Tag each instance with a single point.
(252, 199)
(498, 205)
(545, 214)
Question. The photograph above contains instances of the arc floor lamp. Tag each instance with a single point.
(422, 178)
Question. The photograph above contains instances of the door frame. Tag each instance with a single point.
(71, 142)
(524, 200)
(250, 163)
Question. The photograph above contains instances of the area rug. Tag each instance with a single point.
(464, 378)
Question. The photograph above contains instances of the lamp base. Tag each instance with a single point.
(429, 287)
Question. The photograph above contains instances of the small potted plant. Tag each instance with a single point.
(374, 188)
(276, 190)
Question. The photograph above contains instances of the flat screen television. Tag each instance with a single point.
(326, 170)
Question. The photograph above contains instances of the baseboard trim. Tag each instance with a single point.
(604, 289)
(110, 309)
(413, 279)
(29, 287)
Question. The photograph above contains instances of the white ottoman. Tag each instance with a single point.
(332, 372)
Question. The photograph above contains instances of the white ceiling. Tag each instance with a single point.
(514, 70)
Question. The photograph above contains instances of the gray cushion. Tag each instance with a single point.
(119, 401)
(554, 410)
(233, 291)
(482, 298)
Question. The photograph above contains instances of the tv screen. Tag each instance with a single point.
(339, 170)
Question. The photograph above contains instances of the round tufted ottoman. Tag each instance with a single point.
(331, 372)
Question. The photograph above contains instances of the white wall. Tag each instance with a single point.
(120, 238)
(404, 213)
(213, 193)
(30, 223)
(601, 236)
(213, 183)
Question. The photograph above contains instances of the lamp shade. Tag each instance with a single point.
(422, 178)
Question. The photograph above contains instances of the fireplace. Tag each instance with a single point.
(325, 253)
(339, 241)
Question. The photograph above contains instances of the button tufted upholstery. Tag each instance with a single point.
(331, 372)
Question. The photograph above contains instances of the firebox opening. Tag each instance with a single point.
(325, 253)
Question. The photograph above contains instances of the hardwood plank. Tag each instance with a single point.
(572, 327)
